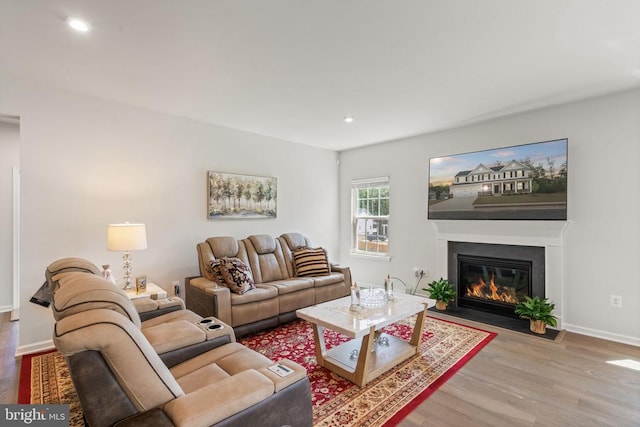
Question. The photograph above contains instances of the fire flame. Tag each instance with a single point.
(489, 291)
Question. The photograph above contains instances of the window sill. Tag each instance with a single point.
(386, 258)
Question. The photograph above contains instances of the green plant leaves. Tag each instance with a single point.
(441, 290)
(537, 308)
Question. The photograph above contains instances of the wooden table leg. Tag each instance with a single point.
(321, 347)
(418, 329)
(360, 375)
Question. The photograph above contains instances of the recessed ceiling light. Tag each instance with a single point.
(78, 24)
(348, 119)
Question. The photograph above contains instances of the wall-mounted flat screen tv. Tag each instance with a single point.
(523, 182)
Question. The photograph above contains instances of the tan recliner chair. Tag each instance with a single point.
(121, 380)
(147, 308)
(177, 335)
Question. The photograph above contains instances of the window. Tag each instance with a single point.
(370, 216)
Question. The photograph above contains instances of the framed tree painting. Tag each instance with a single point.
(233, 196)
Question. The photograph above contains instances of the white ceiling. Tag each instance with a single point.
(292, 69)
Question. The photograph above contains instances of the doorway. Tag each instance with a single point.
(10, 214)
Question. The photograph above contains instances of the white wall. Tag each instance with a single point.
(87, 162)
(9, 158)
(601, 244)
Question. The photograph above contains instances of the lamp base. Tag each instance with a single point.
(126, 266)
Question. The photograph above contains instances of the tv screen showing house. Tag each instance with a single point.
(523, 182)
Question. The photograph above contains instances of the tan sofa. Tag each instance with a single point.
(278, 292)
(121, 379)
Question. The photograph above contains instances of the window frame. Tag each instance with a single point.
(383, 220)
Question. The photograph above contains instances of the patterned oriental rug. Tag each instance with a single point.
(445, 348)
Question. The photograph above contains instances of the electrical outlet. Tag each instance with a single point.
(176, 287)
(419, 273)
(615, 301)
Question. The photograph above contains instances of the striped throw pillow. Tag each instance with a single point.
(311, 262)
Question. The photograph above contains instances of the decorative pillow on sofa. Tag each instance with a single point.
(311, 262)
(237, 275)
(213, 272)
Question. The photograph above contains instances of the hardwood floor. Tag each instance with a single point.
(516, 380)
(523, 380)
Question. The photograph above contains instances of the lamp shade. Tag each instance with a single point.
(126, 237)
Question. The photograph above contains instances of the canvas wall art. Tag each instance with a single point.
(234, 196)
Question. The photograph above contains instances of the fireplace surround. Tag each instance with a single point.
(547, 235)
(494, 277)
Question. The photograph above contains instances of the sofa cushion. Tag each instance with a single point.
(294, 284)
(202, 377)
(263, 243)
(223, 246)
(330, 279)
(79, 291)
(295, 240)
(66, 265)
(260, 293)
(237, 275)
(311, 262)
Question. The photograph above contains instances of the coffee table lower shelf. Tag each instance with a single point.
(380, 359)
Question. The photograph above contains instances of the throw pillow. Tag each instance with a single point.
(237, 275)
(311, 262)
(213, 272)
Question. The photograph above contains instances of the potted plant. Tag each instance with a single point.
(441, 291)
(538, 311)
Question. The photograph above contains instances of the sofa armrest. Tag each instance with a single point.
(207, 299)
(149, 308)
(144, 305)
(346, 271)
(220, 400)
(170, 336)
(297, 373)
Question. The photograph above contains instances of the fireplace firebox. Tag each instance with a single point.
(494, 278)
(493, 284)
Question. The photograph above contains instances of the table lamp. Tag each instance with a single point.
(126, 237)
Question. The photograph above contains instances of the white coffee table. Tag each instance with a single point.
(369, 353)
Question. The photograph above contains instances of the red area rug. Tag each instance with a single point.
(445, 348)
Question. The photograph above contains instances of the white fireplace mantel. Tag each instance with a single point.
(530, 233)
(547, 234)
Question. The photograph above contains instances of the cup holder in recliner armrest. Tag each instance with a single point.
(214, 328)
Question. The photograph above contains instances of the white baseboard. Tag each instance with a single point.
(624, 339)
(5, 308)
(35, 348)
